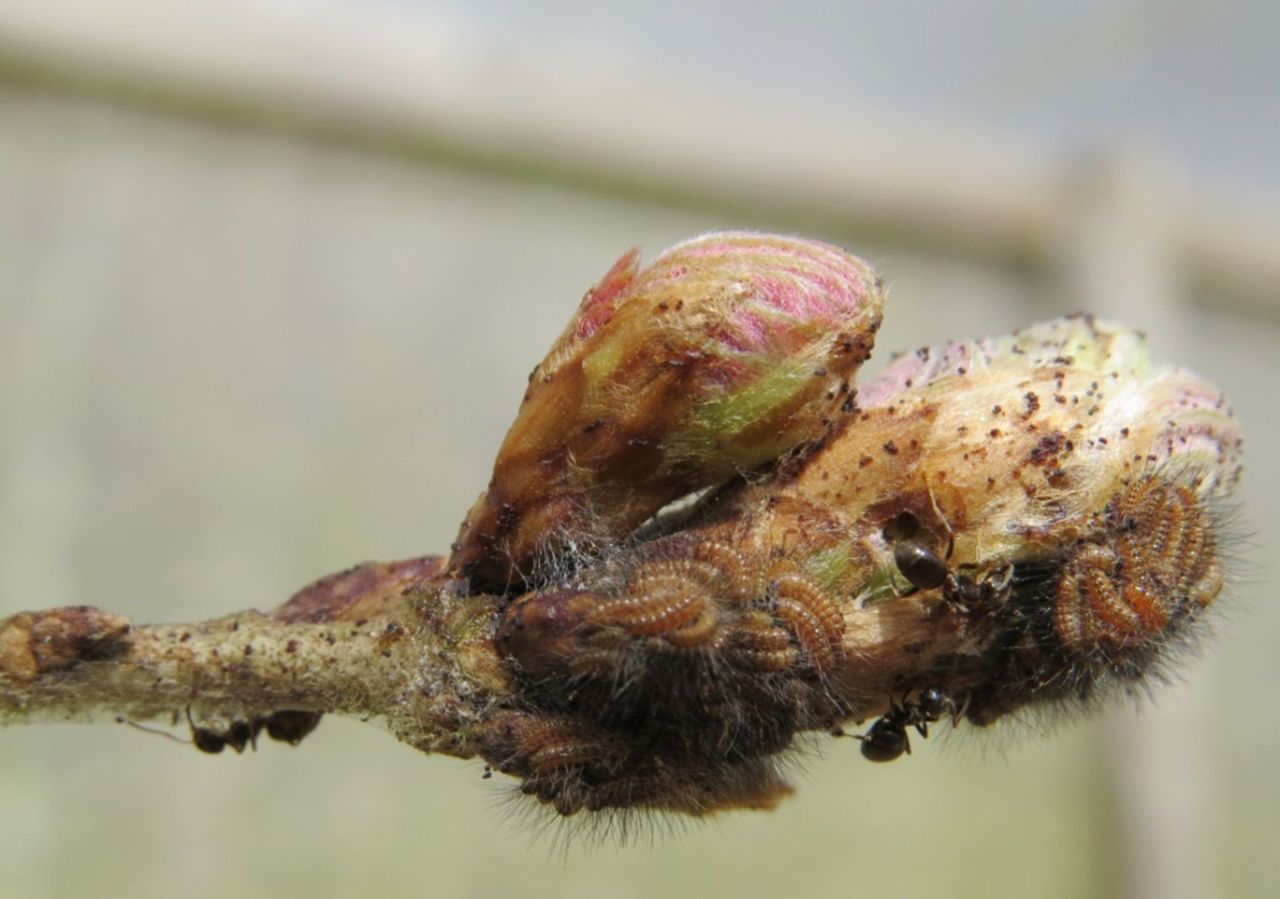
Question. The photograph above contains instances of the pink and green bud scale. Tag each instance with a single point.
(724, 353)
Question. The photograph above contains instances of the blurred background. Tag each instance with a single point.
(272, 275)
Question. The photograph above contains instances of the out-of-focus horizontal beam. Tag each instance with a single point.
(392, 82)
(1232, 251)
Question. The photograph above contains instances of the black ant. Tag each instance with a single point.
(924, 569)
(886, 738)
(287, 726)
(237, 736)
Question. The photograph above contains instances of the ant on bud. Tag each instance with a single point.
(924, 569)
(887, 739)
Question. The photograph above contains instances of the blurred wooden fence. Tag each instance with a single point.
(1115, 232)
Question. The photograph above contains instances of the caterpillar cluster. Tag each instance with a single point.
(676, 677)
(671, 681)
(1107, 614)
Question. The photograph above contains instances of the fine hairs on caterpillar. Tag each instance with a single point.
(988, 529)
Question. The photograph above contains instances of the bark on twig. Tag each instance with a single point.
(422, 662)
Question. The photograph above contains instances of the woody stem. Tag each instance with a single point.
(82, 663)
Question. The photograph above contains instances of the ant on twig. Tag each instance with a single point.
(887, 738)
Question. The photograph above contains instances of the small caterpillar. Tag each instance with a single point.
(812, 617)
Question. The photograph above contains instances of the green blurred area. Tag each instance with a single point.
(232, 361)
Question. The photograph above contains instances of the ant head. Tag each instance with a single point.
(933, 703)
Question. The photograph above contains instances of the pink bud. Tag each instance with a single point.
(727, 351)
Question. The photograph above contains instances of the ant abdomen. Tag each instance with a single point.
(922, 567)
(885, 740)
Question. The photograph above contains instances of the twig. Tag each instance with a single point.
(423, 665)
